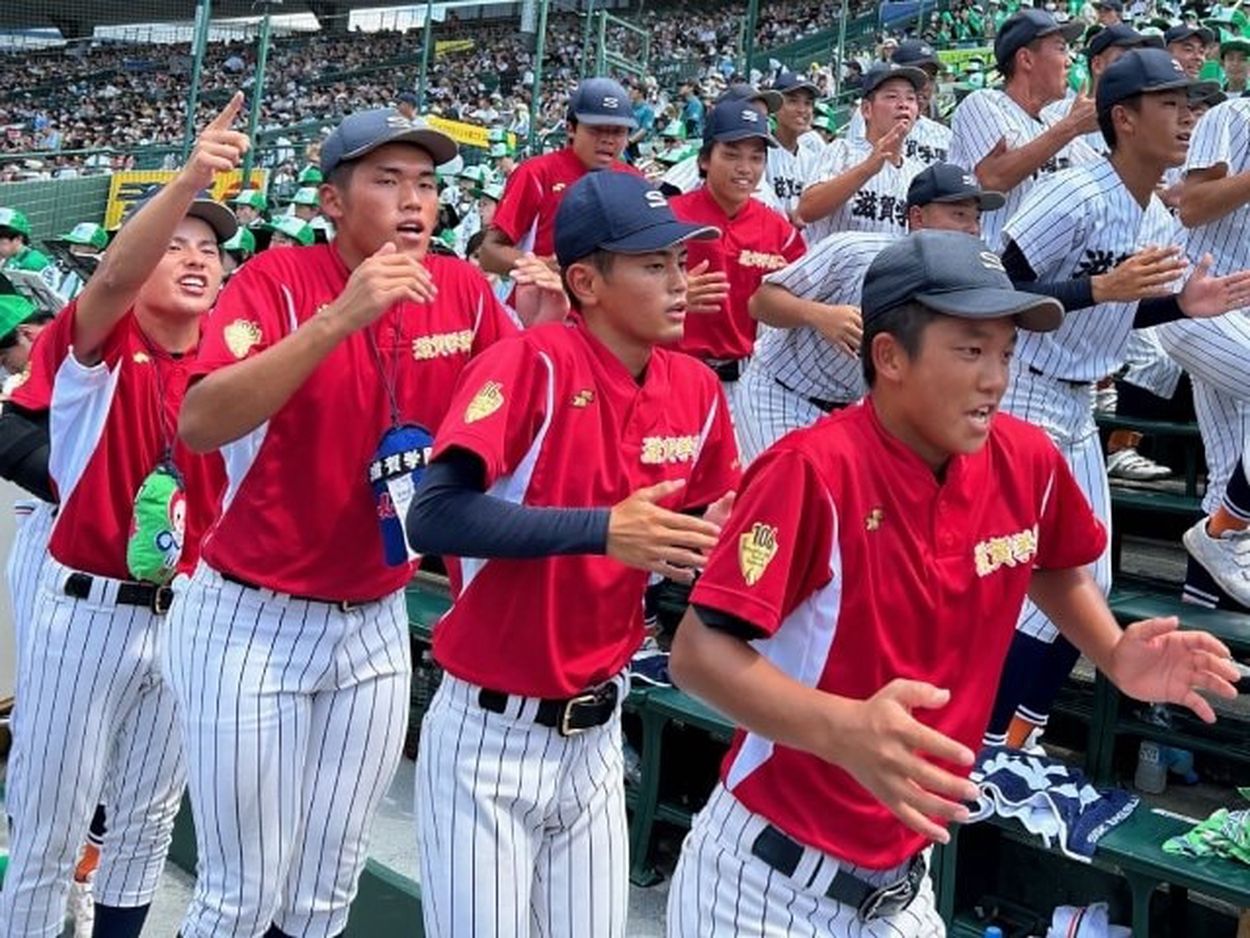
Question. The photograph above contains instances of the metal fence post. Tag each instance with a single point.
(203, 16)
(258, 91)
(748, 40)
(536, 94)
(427, 45)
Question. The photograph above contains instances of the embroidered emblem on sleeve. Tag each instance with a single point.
(756, 550)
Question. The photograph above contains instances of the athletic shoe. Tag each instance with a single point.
(1105, 399)
(81, 908)
(1226, 558)
(1132, 465)
(651, 670)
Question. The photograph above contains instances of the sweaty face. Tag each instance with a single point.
(734, 170)
(893, 101)
(948, 392)
(390, 195)
(641, 298)
(795, 114)
(962, 216)
(1190, 54)
(599, 146)
(186, 281)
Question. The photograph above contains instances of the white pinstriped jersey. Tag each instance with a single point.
(802, 359)
(685, 176)
(787, 173)
(983, 119)
(1058, 110)
(928, 142)
(1078, 223)
(1223, 136)
(881, 205)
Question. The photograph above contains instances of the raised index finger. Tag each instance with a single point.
(223, 120)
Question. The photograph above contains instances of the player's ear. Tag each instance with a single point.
(915, 218)
(889, 358)
(582, 280)
(331, 200)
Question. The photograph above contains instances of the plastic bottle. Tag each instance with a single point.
(993, 931)
(1152, 771)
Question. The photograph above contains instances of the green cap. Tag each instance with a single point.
(243, 242)
(15, 309)
(88, 234)
(498, 150)
(1231, 42)
(309, 176)
(493, 190)
(253, 198)
(13, 219)
(674, 130)
(293, 227)
(306, 196)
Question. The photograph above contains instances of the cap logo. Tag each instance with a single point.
(611, 103)
(751, 116)
(970, 180)
(1176, 67)
(399, 122)
(655, 198)
(991, 261)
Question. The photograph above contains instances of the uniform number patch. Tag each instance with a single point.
(756, 550)
(485, 402)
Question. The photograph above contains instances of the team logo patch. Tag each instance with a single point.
(761, 260)
(1010, 550)
(442, 345)
(756, 550)
(873, 521)
(485, 402)
(558, 187)
(241, 335)
(140, 358)
(583, 398)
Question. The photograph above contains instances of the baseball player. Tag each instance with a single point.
(753, 239)
(861, 185)
(1079, 223)
(321, 372)
(791, 160)
(864, 557)
(96, 717)
(928, 141)
(807, 364)
(599, 122)
(1000, 134)
(1187, 43)
(572, 455)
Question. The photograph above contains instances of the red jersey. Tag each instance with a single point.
(858, 566)
(558, 421)
(109, 426)
(753, 243)
(299, 515)
(527, 213)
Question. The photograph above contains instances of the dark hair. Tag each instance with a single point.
(341, 176)
(1107, 125)
(906, 323)
(599, 259)
(475, 242)
(705, 153)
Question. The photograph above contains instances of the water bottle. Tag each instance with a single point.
(993, 931)
(1152, 772)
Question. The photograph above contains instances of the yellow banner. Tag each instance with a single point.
(131, 186)
(443, 46)
(956, 59)
(471, 135)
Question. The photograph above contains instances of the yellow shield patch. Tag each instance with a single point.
(756, 550)
(485, 402)
(240, 336)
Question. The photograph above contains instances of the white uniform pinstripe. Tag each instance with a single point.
(1058, 110)
(290, 748)
(1149, 365)
(790, 366)
(112, 721)
(721, 890)
(881, 205)
(563, 831)
(983, 119)
(927, 143)
(1079, 222)
(787, 173)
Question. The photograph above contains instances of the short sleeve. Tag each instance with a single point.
(499, 406)
(832, 162)
(253, 313)
(1049, 224)
(717, 469)
(50, 348)
(793, 247)
(1069, 533)
(493, 321)
(519, 207)
(976, 130)
(1217, 141)
(776, 549)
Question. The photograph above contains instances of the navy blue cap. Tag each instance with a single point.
(915, 52)
(1182, 31)
(953, 273)
(741, 91)
(1027, 25)
(1118, 34)
(365, 131)
(881, 73)
(789, 81)
(946, 182)
(1115, 5)
(601, 102)
(736, 120)
(618, 212)
(1141, 71)
(408, 97)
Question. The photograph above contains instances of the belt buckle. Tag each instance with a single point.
(162, 598)
(565, 729)
(894, 898)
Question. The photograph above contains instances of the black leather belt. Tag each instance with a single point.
(730, 370)
(129, 593)
(871, 902)
(1068, 381)
(343, 605)
(826, 405)
(570, 716)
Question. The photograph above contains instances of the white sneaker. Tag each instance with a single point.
(1132, 465)
(81, 908)
(1226, 558)
(1105, 399)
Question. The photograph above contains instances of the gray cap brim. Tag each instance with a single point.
(600, 120)
(771, 99)
(1029, 310)
(216, 216)
(441, 147)
(987, 200)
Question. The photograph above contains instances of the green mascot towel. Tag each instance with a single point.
(157, 526)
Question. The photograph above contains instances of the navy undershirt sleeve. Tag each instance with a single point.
(451, 514)
(1073, 294)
